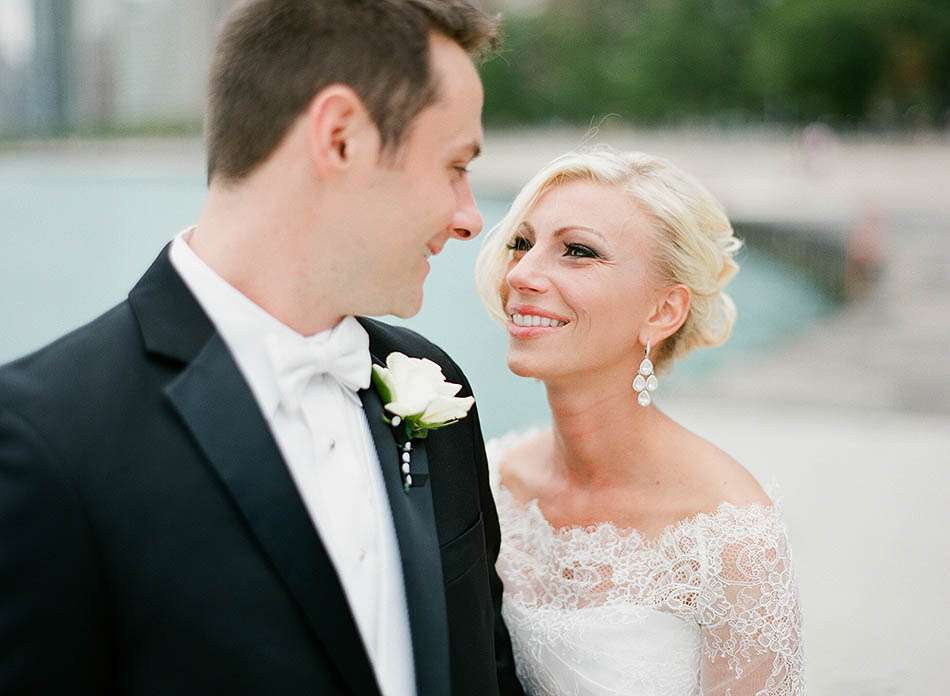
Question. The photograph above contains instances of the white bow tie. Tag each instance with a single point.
(343, 355)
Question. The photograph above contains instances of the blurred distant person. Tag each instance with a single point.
(637, 557)
(201, 491)
(819, 145)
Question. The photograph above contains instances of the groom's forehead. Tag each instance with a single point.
(458, 113)
(454, 74)
(453, 128)
(451, 121)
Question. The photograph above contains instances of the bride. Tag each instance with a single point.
(637, 557)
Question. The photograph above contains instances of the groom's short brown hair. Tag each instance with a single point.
(273, 56)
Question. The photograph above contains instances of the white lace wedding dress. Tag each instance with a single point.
(709, 607)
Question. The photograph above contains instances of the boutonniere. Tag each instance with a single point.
(415, 392)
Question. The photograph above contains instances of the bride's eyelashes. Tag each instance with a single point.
(519, 243)
(580, 251)
(573, 250)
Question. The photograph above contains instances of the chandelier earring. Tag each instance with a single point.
(645, 382)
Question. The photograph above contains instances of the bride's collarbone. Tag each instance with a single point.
(648, 514)
(683, 488)
(646, 508)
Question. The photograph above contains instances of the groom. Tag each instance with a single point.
(199, 493)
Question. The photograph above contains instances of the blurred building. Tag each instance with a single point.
(51, 86)
(160, 54)
(16, 49)
(95, 28)
(13, 81)
(117, 64)
(95, 64)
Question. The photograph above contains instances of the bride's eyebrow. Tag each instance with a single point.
(579, 228)
(525, 227)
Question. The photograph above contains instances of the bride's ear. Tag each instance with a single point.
(671, 310)
(339, 131)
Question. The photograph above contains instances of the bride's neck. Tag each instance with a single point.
(602, 436)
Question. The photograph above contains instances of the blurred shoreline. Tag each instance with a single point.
(771, 173)
(885, 203)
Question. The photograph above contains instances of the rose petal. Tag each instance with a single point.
(443, 409)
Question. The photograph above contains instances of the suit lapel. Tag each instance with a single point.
(414, 521)
(219, 410)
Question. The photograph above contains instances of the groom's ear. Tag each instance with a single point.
(340, 131)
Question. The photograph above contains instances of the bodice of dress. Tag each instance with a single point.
(710, 606)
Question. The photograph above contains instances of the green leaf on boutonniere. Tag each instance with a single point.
(382, 387)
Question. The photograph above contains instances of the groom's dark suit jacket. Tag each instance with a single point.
(152, 540)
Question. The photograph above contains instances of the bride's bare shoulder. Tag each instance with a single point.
(715, 476)
(521, 464)
(705, 475)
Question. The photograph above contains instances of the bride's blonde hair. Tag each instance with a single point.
(695, 242)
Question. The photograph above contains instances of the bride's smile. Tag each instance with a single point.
(580, 253)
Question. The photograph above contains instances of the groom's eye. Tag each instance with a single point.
(519, 244)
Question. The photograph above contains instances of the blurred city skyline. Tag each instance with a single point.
(114, 67)
(68, 65)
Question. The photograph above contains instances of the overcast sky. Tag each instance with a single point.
(16, 30)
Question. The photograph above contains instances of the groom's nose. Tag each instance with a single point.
(467, 221)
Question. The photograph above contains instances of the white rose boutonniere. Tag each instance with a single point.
(414, 390)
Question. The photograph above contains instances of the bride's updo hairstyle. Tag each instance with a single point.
(694, 241)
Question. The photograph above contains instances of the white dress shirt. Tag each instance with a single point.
(329, 450)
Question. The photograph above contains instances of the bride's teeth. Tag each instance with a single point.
(529, 320)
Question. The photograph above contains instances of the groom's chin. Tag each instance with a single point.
(408, 308)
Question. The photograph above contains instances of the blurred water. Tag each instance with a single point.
(73, 241)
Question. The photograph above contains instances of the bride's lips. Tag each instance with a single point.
(521, 312)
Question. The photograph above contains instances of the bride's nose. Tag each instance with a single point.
(527, 275)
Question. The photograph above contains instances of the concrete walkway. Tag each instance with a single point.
(759, 174)
(888, 350)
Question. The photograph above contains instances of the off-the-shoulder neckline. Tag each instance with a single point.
(723, 510)
(533, 506)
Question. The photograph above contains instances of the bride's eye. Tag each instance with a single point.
(580, 251)
(519, 244)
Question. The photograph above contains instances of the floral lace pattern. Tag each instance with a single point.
(708, 607)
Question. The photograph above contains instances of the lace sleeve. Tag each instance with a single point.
(749, 609)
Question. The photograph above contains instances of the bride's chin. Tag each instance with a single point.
(523, 368)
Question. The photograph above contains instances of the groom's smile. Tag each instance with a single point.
(427, 194)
